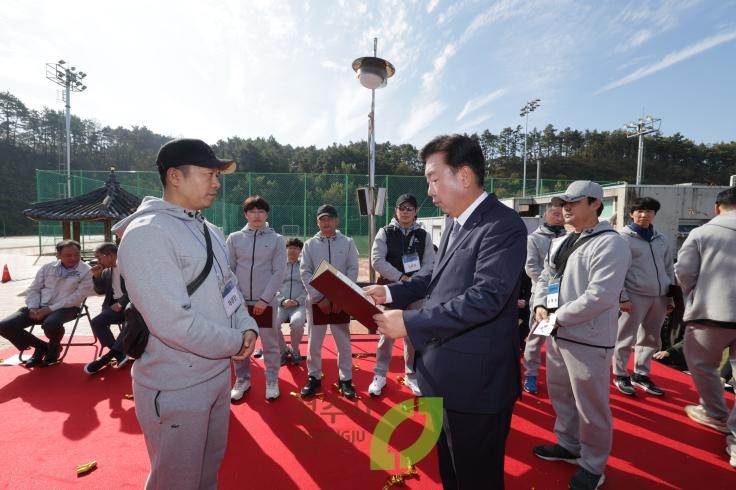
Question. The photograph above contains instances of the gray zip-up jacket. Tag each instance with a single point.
(706, 266)
(652, 265)
(338, 250)
(258, 259)
(590, 287)
(292, 287)
(192, 338)
(537, 246)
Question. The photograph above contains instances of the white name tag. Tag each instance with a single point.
(231, 299)
(545, 327)
(553, 295)
(411, 262)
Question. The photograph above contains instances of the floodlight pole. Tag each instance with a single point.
(529, 107)
(373, 73)
(71, 80)
(372, 175)
(645, 125)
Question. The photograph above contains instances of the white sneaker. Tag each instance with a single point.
(239, 388)
(272, 390)
(410, 381)
(377, 385)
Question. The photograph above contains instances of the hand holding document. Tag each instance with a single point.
(546, 326)
(344, 293)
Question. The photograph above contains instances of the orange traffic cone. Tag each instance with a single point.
(6, 274)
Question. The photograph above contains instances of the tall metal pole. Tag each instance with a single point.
(640, 159)
(538, 181)
(643, 126)
(526, 136)
(71, 80)
(372, 173)
(528, 107)
(68, 139)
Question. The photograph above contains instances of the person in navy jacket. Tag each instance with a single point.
(466, 334)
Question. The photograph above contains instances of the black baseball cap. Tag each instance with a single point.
(187, 151)
(407, 198)
(326, 210)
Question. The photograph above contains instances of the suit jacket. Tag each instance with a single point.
(103, 285)
(466, 335)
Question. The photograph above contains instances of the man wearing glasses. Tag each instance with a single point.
(400, 249)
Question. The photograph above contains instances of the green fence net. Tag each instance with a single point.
(294, 198)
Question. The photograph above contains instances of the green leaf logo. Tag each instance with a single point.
(382, 458)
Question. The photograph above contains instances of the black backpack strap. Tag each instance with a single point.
(194, 285)
(566, 254)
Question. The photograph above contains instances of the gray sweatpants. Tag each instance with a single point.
(533, 350)
(341, 335)
(704, 347)
(296, 317)
(185, 432)
(383, 356)
(641, 327)
(271, 352)
(578, 382)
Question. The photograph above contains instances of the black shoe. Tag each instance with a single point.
(37, 358)
(623, 383)
(52, 356)
(346, 388)
(98, 364)
(311, 387)
(285, 355)
(642, 381)
(258, 353)
(555, 452)
(585, 480)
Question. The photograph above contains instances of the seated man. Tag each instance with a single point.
(53, 298)
(291, 298)
(107, 281)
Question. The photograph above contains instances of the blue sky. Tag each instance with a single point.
(215, 69)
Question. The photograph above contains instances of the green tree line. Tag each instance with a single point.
(31, 139)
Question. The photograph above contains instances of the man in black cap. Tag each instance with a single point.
(181, 382)
(400, 249)
(340, 251)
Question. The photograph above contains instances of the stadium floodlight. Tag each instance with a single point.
(71, 80)
(529, 107)
(644, 125)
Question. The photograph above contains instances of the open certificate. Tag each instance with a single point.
(344, 293)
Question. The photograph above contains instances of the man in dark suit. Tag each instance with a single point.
(466, 334)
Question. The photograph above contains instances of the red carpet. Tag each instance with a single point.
(57, 418)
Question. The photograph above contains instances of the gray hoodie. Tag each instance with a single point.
(652, 265)
(258, 259)
(192, 339)
(537, 246)
(338, 250)
(292, 287)
(590, 287)
(706, 267)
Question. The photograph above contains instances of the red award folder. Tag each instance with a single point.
(265, 319)
(320, 318)
(344, 293)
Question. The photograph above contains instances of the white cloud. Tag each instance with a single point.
(475, 122)
(477, 103)
(431, 5)
(672, 59)
(420, 118)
